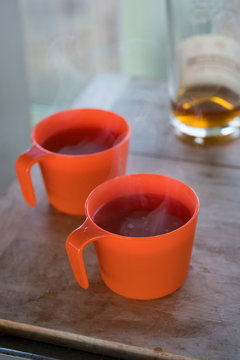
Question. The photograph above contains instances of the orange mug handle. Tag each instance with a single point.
(24, 164)
(75, 245)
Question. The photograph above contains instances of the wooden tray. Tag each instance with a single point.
(41, 300)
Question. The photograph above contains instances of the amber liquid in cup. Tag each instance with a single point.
(142, 215)
(206, 106)
(81, 141)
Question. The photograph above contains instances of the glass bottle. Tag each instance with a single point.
(204, 69)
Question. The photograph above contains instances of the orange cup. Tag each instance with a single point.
(70, 178)
(136, 267)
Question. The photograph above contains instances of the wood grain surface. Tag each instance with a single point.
(201, 320)
(40, 299)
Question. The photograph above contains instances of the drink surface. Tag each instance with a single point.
(142, 215)
(81, 141)
(206, 106)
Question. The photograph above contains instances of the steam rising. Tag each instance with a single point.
(142, 215)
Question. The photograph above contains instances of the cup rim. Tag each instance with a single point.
(143, 238)
(125, 138)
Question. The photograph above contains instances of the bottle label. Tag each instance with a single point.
(209, 60)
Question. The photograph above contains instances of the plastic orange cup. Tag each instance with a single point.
(69, 179)
(136, 267)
